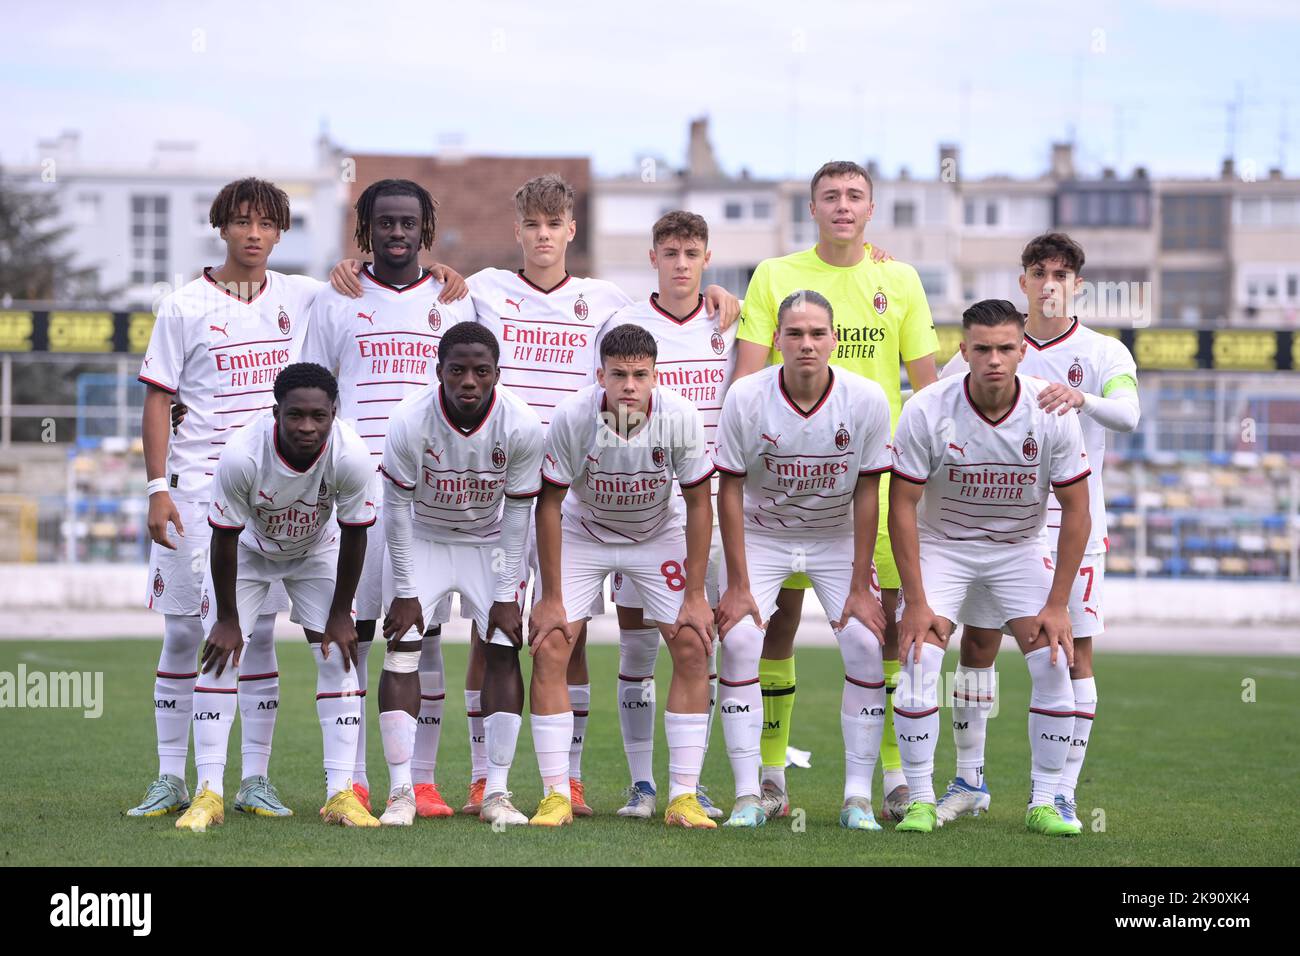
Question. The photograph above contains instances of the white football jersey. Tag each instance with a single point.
(985, 480)
(621, 489)
(382, 346)
(548, 337)
(219, 356)
(458, 480)
(1087, 360)
(801, 468)
(285, 513)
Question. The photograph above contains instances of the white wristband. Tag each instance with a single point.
(155, 485)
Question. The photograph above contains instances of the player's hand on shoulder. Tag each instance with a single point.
(878, 254)
(161, 511)
(341, 630)
(718, 301)
(506, 617)
(403, 614)
(695, 614)
(548, 616)
(1059, 398)
(864, 606)
(735, 605)
(454, 285)
(224, 641)
(343, 277)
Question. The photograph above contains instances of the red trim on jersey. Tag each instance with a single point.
(1070, 481)
(965, 387)
(357, 524)
(235, 345)
(275, 442)
(728, 471)
(256, 391)
(551, 481)
(701, 481)
(538, 288)
(875, 471)
(530, 494)
(654, 304)
(442, 404)
(780, 380)
(394, 480)
(906, 477)
(365, 271)
(225, 527)
(266, 284)
(158, 385)
(1048, 343)
(520, 368)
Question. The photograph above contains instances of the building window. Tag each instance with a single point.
(969, 213)
(148, 239)
(733, 210)
(1291, 286)
(991, 214)
(1194, 297)
(762, 209)
(1193, 222)
(904, 213)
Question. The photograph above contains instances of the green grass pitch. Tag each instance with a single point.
(1182, 771)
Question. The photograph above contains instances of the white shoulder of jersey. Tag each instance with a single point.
(352, 448)
(576, 404)
(956, 365)
(517, 405)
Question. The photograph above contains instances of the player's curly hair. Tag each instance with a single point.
(680, 224)
(795, 302)
(841, 167)
(628, 341)
(305, 375)
(262, 197)
(992, 312)
(395, 187)
(469, 333)
(1053, 245)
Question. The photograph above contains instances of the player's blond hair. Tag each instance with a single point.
(548, 195)
(680, 224)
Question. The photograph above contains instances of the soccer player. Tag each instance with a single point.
(974, 457)
(217, 346)
(463, 462)
(801, 448)
(1094, 375)
(608, 506)
(383, 346)
(695, 358)
(275, 493)
(881, 318)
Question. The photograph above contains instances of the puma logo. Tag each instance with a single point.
(220, 510)
(220, 328)
(263, 494)
(369, 318)
(435, 455)
(594, 461)
(960, 449)
(551, 459)
(147, 360)
(518, 305)
(775, 441)
(1088, 610)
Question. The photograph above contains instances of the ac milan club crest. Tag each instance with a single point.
(580, 309)
(718, 342)
(660, 456)
(618, 580)
(203, 608)
(880, 302)
(1075, 375)
(498, 457)
(321, 492)
(1030, 449)
(435, 320)
(158, 583)
(842, 438)
(284, 321)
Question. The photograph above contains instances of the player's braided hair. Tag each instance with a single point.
(1053, 245)
(395, 187)
(262, 197)
(992, 312)
(628, 341)
(796, 301)
(468, 333)
(305, 375)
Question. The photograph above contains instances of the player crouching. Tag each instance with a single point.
(801, 448)
(608, 506)
(976, 456)
(463, 459)
(275, 492)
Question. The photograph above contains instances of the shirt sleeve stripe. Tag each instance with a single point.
(357, 524)
(551, 481)
(699, 481)
(906, 477)
(394, 480)
(226, 527)
(728, 471)
(159, 385)
(1070, 481)
(875, 471)
(526, 494)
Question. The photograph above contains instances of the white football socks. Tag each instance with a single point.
(424, 762)
(216, 699)
(686, 735)
(974, 698)
(338, 708)
(637, 651)
(862, 707)
(397, 728)
(259, 698)
(552, 737)
(916, 719)
(478, 762)
(1051, 723)
(173, 691)
(580, 701)
(363, 682)
(742, 704)
(501, 731)
(1085, 709)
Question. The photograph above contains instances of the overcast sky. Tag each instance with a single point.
(787, 85)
